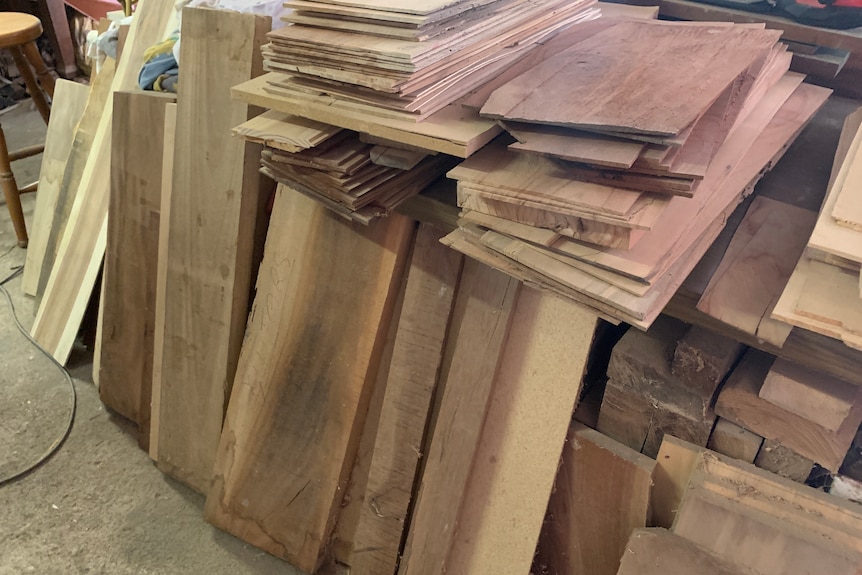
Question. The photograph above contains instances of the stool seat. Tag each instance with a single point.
(17, 28)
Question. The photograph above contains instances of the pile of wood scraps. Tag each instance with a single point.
(823, 293)
(414, 60)
(357, 180)
(610, 196)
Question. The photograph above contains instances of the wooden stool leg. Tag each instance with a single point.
(46, 79)
(10, 190)
(30, 80)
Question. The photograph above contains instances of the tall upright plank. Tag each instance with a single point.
(477, 337)
(131, 255)
(535, 393)
(214, 202)
(325, 293)
(82, 248)
(412, 378)
(70, 100)
(601, 495)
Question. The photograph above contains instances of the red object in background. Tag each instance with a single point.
(835, 3)
(95, 9)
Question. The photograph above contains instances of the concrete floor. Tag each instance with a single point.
(99, 505)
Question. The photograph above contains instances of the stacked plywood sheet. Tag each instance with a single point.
(355, 179)
(823, 292)
(611, 194)
(409, 59)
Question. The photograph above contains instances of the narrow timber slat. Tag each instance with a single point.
(215, 195)
(325, 294)
(480, 326)
(418, 350)
(70, 101)
(131, 255)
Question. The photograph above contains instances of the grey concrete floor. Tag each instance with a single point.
(99, 505)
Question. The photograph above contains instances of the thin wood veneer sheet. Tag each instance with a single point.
(755, 268)
(659, 61)
(418, 7)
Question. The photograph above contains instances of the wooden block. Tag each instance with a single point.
(69, 103)
(703, 358)
(478, 332)
(214, 203)
(601, 495)
(324, 298)
(127, 312)
(411, 381)
(658, 552)
(739, 402)
(816, 396)
(734, 441)
(782, 461)
(758, 262)
(535, 392)
(170, 131)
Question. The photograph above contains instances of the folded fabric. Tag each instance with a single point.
(159, 65)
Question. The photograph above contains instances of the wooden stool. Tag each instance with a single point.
(18, 33)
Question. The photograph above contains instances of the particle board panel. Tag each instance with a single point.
(475, 347)
(215, 197)
(739, 402)
(170, 131)
(82, 248)
(127, 313)
(453, 130)
(658, 551)
(70, 101)
(535, 393)
(325, 295)
(653, 106)
(601, 495)
(69, 181)
(755, 268)
(432, 281)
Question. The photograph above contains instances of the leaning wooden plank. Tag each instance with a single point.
(70, 100)
(453, 130)
(324, 296)
(660, 552)
(601, 495)
(73, 168)
(418, 350)
(129, 278)
(82, 247)
(755, 268)
(480, 327)
(214, 201)
(739, 402)
(535, 392)
(170, 131)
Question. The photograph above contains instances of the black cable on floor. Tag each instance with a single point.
(73, 399)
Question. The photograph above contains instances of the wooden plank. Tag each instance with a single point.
(395, 158)
(82, 248)
(70, 100)
(776, 458)
(652, 105)
(418, 348)
(657, 552)
(846, 211)
(324, 297)
(285, 131)
(740, 403)
(170, 131)
(601, 495)
(758, 262)
(816, 396)
(734, 441)
(127, 312)
(511, 481)
(214, 203)
(573, 145)
(69, 181)
(478, 333)
(676, 461)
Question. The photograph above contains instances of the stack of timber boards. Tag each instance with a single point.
(410, 58)
(744, 519)
(337, 168)
(823, 292)
(537, 212)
